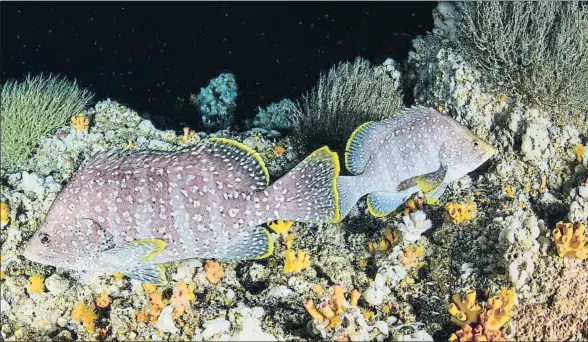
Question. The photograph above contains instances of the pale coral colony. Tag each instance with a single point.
(486, 263)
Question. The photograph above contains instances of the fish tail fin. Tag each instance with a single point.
(309, 191)
(349, 194)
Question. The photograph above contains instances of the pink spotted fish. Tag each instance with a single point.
(131, 212)
(419, 149)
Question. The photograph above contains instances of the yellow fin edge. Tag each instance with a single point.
(337, 167)
(425, 185)
(270, 241)
(373, 211)
(247, 149)
(352, 138)
(157, 243)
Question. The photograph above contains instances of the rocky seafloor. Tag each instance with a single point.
(491, 261)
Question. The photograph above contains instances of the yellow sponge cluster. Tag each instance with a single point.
(570, 242)
(328, 313)
(460, 212)
(499, 310)
(464, 311)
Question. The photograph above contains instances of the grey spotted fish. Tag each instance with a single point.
(418, 149)
(130, 212)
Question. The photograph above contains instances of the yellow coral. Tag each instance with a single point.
(85, 315)
(4, 218)
(117, 275)
(508, 191)
(498, 311)
(181, 298)
(188, 134)
(103, 301)
(280, 226)
(296, 261)
(460, 212)
(79, 122)
(213, 271)
(569, 242)
(36, 284)
(466, 311)
(149, 288)
(579, 151)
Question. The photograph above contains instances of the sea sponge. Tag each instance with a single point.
(477, 334)
(329, 312)
(4, 217)
(460, 212)
(214, 271)
(498, 311)
(103, 301)
(295, 261)
(84, 314)
(464, 312)
(36, 284)
(570, 242)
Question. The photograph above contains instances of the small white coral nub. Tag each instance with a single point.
(414, 226)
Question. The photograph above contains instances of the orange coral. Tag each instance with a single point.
(477, 334)
(569, 242)
(279, 151)
(330, 312)
(498, 311)
(213, 271)
(181, 298)
(103, 301)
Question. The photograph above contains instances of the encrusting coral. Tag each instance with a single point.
(214, 271)
(181, 298)
(570, 242)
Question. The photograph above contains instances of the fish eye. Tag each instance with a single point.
(476, 143)
(44, 238)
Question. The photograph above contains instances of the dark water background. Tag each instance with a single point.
(149, 54)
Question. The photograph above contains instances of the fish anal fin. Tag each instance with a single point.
(433, 196)
(356, 156)
(152, 274)
(431, 181)
(254, 243)
(137, 251)
(381, 204)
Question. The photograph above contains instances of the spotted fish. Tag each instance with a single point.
(418, 149)
(131, 212)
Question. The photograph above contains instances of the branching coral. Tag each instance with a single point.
(460, 212)
(481, 324)
(329, 312)
(464, 311)
(79, 123)
(295, 261)
(570, 242)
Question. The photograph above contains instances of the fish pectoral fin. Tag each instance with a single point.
(431, 181)
(355, 150)
(254, 243)
(381, 204)
(433, 197)
(153, 274)
(137, 251)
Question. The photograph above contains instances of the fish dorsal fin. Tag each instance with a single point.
(237, 165)
(253, 243)
(137, 251)
(152, 274)
(381, 204)
(356, 156)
